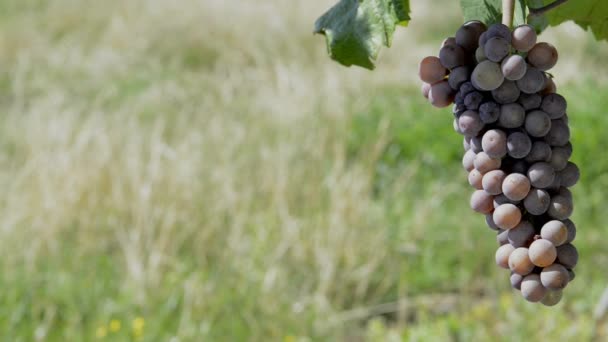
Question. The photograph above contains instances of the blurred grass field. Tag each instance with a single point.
(195, 170)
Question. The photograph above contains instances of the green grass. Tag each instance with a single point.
(197, 171)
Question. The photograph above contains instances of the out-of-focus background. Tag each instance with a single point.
(200, 170)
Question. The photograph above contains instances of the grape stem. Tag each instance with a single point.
(508, 7)
(544, 9)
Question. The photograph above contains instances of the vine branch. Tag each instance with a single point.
(508, 7)
(544, 9)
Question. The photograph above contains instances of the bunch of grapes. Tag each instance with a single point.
(517, 148)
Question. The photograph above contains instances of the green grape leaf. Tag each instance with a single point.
(490, 11)
(356, 30)
(588, 14)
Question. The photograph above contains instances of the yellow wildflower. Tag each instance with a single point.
(114, 325)
(101, 332)
(138, 326)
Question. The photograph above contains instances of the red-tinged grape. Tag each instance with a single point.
(530, 101)
(448, 41)
(560, 156)
(542, 253)
(469, 122)
(501, 236)
(537, 201)
(441, 94)
(514, 67)
(512, 115)
(532, 289)
(472, 100)
(494, 143)
(523, 38)
(485, 163)
(475, 178)
(518, 145)
(492, 181)
(458, 76)
(532, 81)
(554, 277)
(552, 297)
(506, 93)
(496, 49)
(490, 222)
(502, 255)
(555, 231)
(482, 202)
(507, 216)
(499, 30)
(468, 159)
(467, 35)
(559, 134)
(425, 88)
(451, 56)
(554, 105)
(487, 76)
(543, 56)
(571, 227)
(550, 86)
(541, 175)
(489, 112)
(430, 70)
(521, 234)
(537, 123)
(519, 261)
(540, 151)
(567, 255)
(516, 186)
(516, 280)
(570, 175)
(560, 207)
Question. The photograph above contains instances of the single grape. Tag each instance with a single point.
(502, 255)
(554, 277)
(475, 178)
(506, 93)
(560, 207)
(521, 234)
(430, 70)
(532, 289)
(554, 105)
(501, 236)
(494, 143)
(550, 86)
(465, 143)
(489, 112)
(552, 298)
(458, 76)
(559, 134)
(540, 151)
(467, 35)
(570, 175)
(480, 56)
(523, 38)
(466, 88)
(507, 216)
(482, 202)
(441, 94)
(448, 41)
(472, 100)
(468, 160)
(451, 56)
(424, 89)
(476, 144)
(543, 56)
(518, 145)
(496, 49)
(490, 222)
(532, 81)
(514, 67)
(469, 123)
(530, 101)
(571, 230)
(498, 30)
(537, 201)
(487, 76)
(537, 123)
(542, 252)
(560, 156)
(485, 163)
(492, 181)
(541, 175)
(519, 261)
(512, 115)
(563, 191)
(567, 255)
(555, 231)
(516, 280)
(516, 186)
